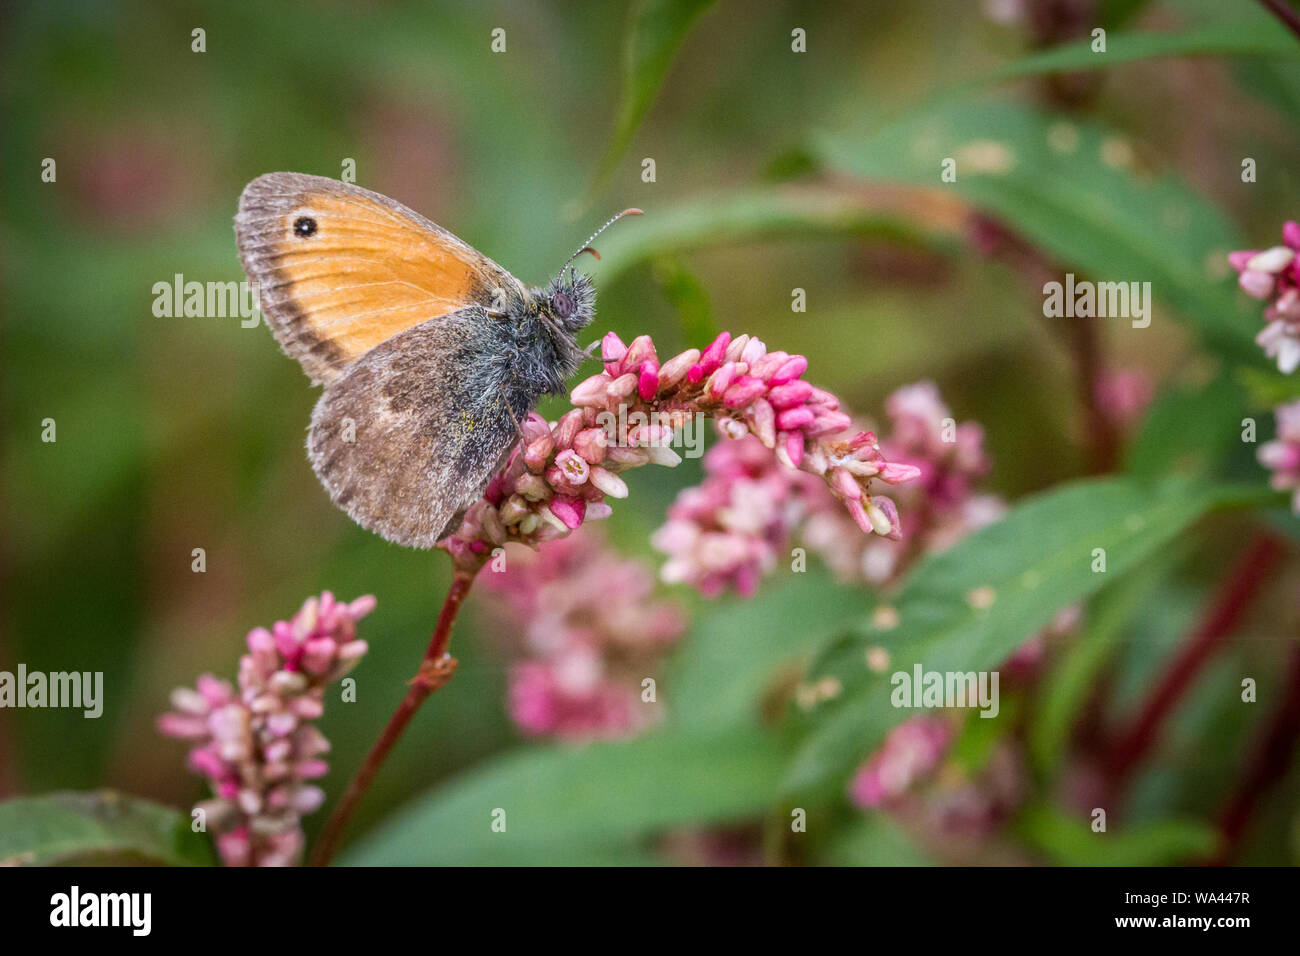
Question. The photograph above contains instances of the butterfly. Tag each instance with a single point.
(429, 352)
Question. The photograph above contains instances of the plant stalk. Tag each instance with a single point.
(436, 669)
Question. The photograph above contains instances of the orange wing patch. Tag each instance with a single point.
(341, 269)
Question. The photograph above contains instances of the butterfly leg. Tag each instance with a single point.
(501, 397)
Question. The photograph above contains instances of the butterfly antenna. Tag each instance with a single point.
(586, 246)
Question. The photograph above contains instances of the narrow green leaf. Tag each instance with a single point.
(1254, 34)
(99, 827)
(689, 297)
(566, 805)
(969, 607)
(1069, 840)
(655, 33)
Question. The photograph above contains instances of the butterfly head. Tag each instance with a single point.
(569, 301)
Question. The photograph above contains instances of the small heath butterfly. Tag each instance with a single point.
(430, 353)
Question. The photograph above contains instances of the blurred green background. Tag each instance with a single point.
(775, 170)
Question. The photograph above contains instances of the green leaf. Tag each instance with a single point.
(875, 839)
(655, 33)
(1254, 34)
(738, 649)
(566, 805)
(99, 827)
(969, 607)
(1071, 189)
(1070, 841)
(1267, 388)
(689, 297)
(1188, 430)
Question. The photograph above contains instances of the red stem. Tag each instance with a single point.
(436, 669)
(1271, 761)
(1288, 16)
(1233, 597)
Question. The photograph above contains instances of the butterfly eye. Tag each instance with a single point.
(304, 226)
(562, 304)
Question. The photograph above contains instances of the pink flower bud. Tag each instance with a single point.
(795, 366)
(570, 510)
(591, 392)
(648, 384)
(590, 444)
(675, 369)
(572, 465)
(793, 418)
(612, 351)
(608, 482)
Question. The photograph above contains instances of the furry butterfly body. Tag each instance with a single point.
(430, 352)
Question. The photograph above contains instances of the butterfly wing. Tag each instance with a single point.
(342, 269)
(411, 433)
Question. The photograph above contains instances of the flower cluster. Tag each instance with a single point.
(733, 527)
(1282, 455)
(911, 752)
(257, 745)
(730, 530)
(560, 474)
(590, 633)
(1274, 275)
(946, 806)
(1123, 395)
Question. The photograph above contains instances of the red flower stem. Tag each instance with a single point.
(1288, 16)
(1271, 761)
(1234, 596)
(436, 669)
